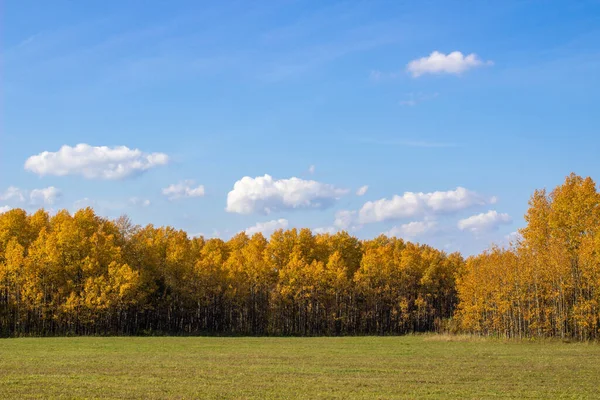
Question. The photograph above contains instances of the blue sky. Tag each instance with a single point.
(177, 102)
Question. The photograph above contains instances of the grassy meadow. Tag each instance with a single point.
(425, 366)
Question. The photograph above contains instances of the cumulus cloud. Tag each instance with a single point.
(13, 193)
(94, 162)
(311, 169)
(412, 229)
(44, 196)
(362, 190)
(183, 189)
(484, 222)
(4, 209)
(412, 204)
(440, 63)
(265, 195)
(266, 228)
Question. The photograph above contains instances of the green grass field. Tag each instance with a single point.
(302, 368)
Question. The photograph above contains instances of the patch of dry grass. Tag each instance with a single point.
(446, 337)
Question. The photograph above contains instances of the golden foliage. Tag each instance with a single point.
(548, 284)
(83, 274)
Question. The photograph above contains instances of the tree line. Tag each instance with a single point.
(83, 274)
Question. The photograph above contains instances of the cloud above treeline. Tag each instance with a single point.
(265, 195)
(44, 196)
(413, 229)
(267, 228)
(183, 189)
(94, 162)
(36, 197)
(411, 205)
(484, 222)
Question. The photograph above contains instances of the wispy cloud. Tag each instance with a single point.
(168, 49)
(362, 190)
(404, 142)
(377, 75)
(308, 43)
(37, 197)
(412, 99)
(139, 202)
(183, 189)
(312, 57)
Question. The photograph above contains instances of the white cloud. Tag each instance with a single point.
(183, 189)
(311, 169)
(4, 209)
(136, 201)
(439, 63)
(36, 197)
(362, 190)
(264, 195)
(44, 196)
(344, 218)
(94, 162)
(266, 228)
(412, 204)
(326, 229)
(484, 222)
(412, 229)
(13, 193)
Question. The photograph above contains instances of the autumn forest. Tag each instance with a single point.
(83, 274)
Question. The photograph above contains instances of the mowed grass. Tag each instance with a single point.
(296, 368)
